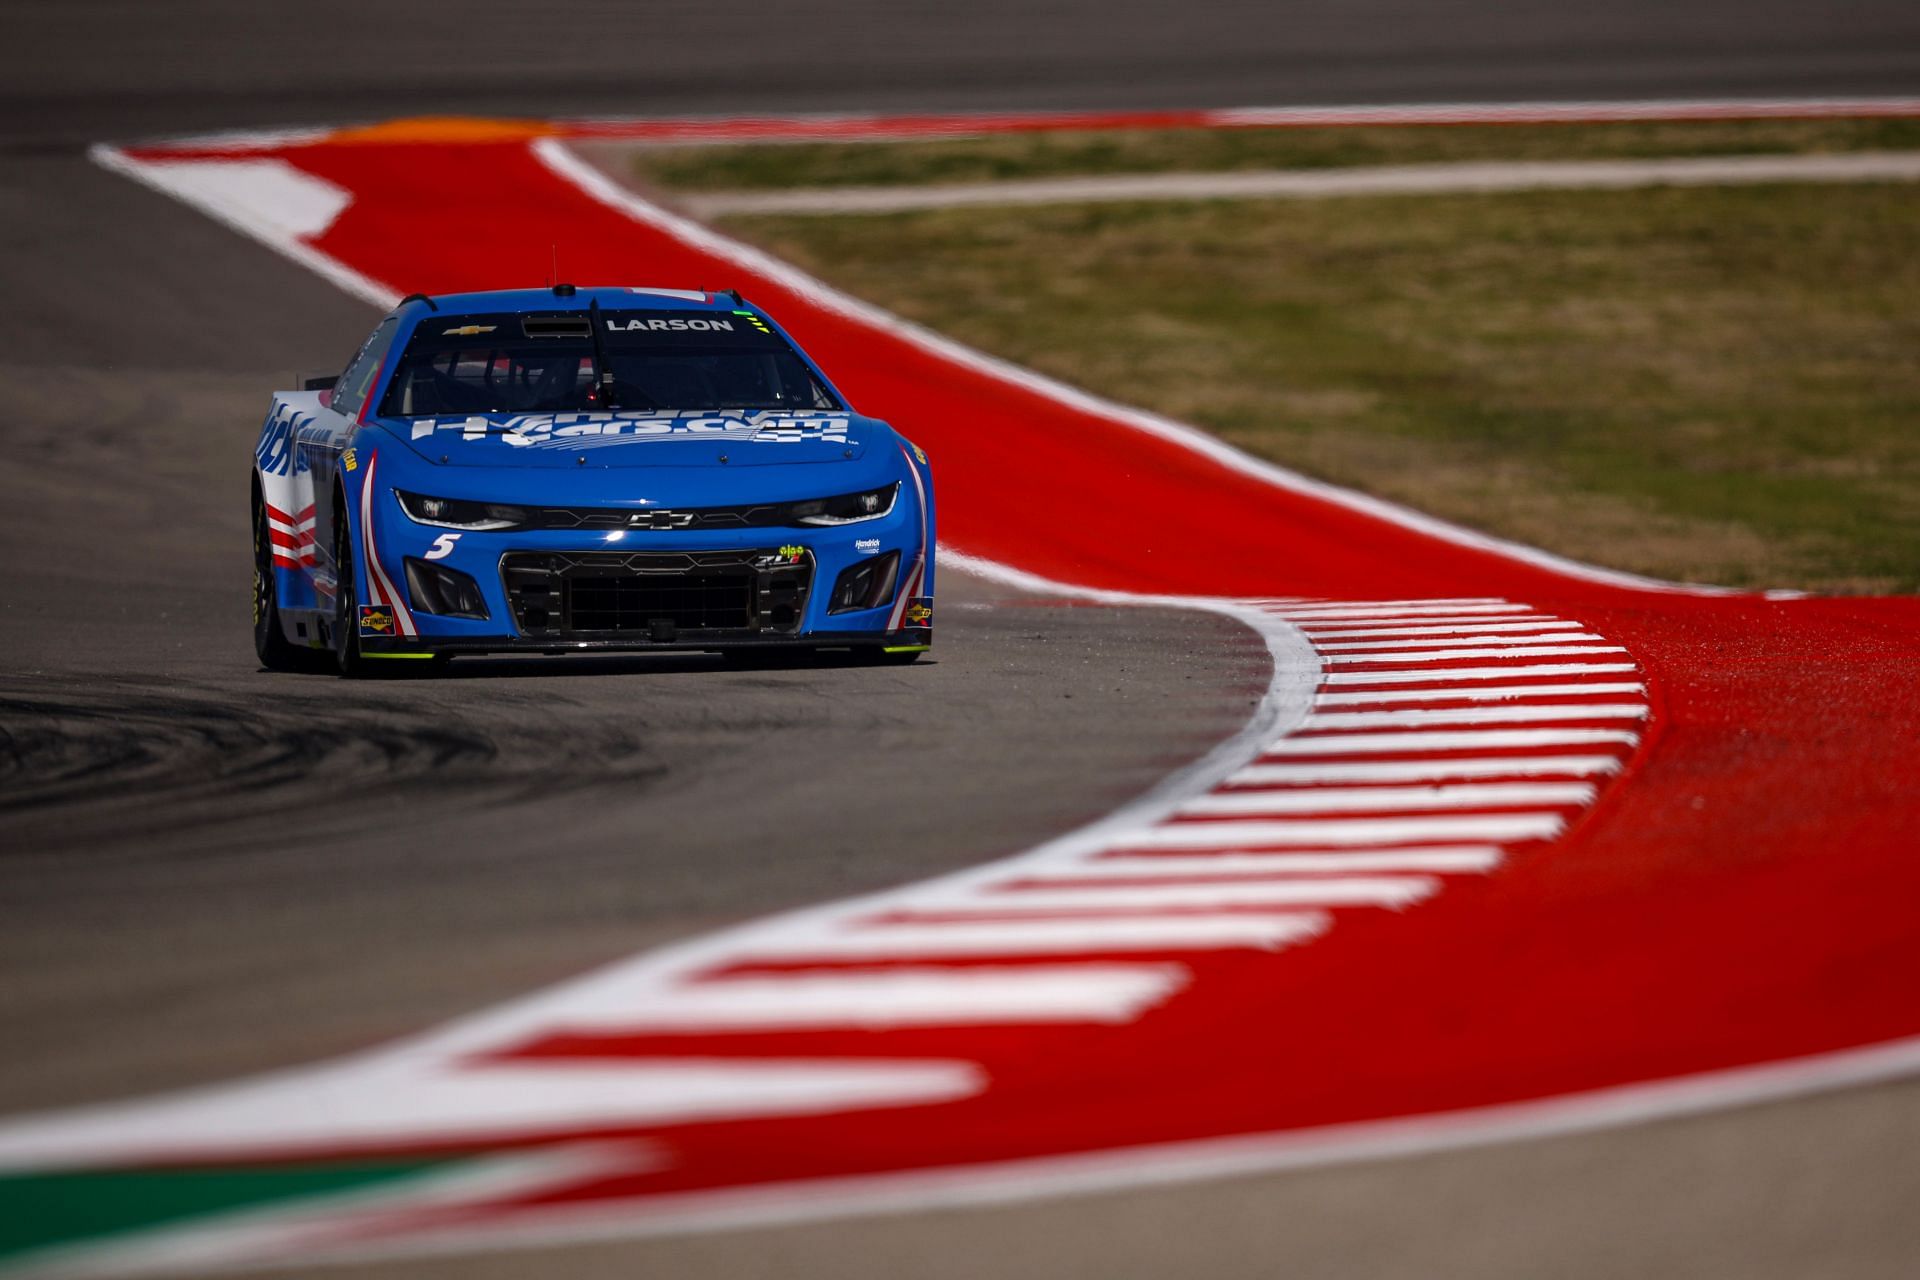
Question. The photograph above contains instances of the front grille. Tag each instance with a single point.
(657, 596)
(633, 603)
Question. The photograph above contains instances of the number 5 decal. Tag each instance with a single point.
(443, 546)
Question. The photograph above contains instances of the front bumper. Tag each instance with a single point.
(906, 640)
(561, 591)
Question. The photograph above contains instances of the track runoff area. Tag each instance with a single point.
(1512, 846)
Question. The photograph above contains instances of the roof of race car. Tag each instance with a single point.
(567, 298)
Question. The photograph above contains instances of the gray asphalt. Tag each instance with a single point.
(206, 869)
(78, 71)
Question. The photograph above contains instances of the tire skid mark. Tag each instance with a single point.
(85, 761)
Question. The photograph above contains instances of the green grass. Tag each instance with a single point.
(1714, 384)
(1029, 155)
(44, 1210)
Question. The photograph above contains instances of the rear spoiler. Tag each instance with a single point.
(324, 382)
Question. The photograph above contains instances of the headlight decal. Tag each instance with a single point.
(849, 508)
(459, 513)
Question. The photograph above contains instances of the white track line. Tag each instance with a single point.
(1439, 629)
(1497, 827)
(1331, 891)
(1503, 641)
(1478, 693)
(1563, 112)
(1387, 610)
(1346, 744)
(1427, 770)
(1478, 673)
(1463, 859)
(976, 938)
(271, 1114)
(1495, 795)
(1473, 176)
(897, 997)
(1463, 655)
(1410, 717)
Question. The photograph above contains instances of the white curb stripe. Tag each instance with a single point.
(1352, 831)
(1427, 770)
(976, 938)
(1477, 693)
(898, 997)
(1512, 641)
(1529, 623)
(1464, 859)
(1391, 799)
(1405, 717)
(1433, 678)
(1331, 891)
(1462, 655)
(1344, 744)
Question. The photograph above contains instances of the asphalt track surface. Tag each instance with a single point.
(209, 866)
(204, 920)
(77, 72)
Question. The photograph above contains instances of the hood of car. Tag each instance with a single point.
(641, 438)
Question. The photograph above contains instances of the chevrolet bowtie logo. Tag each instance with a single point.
(660, 519)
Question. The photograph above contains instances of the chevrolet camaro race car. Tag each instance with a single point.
(551, 470)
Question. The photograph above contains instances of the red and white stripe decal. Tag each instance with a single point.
(910, 582)
(291, 537)
(379, 585)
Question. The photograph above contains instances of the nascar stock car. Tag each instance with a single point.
(562, 469)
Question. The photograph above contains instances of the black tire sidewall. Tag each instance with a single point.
(266, 611)
(346, 597)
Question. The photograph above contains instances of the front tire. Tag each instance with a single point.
(347, 658)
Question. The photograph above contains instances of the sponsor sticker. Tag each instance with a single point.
(376, 620)
(584, 429)
(867, 546)
(278, 452)
(780, 559)
(467, 330)
(920, 611)
(350, 460)
(675, 325)
(918, 452)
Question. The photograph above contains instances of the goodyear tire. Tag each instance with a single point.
(270, 643)
(348, 659)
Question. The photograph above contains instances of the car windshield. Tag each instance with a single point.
(513, 363)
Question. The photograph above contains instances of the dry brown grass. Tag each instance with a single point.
(1707, 384)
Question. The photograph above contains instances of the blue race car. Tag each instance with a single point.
(552, 470)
